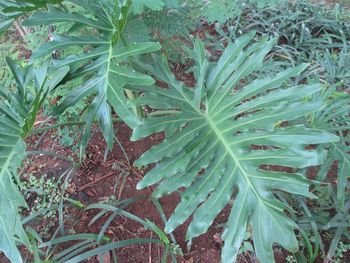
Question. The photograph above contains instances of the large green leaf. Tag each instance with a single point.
(101, 69)
(219, 138)
(18, 110)
(12, 149)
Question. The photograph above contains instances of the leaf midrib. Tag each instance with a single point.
(108, 70)
(222, 139)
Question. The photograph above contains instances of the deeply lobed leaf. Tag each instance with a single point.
(219, 138)
(101, 71)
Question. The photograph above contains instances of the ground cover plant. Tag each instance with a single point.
(235, 117)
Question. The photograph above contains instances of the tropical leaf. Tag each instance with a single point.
(10, 10)
(335, 118)
(101, 70)
(219, 138)
(18, 111)
(12, 149)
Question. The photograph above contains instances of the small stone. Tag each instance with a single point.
(90, 193)
(217, 238)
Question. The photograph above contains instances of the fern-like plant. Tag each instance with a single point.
(100, 69)
(221, 136)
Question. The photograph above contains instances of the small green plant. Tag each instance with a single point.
(69, 135)
(339, 253)
(87, 245)
(42, 193)
(306, 30)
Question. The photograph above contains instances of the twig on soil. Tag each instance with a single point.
(158, 250)
(88, 185)
(122, 185)
(243, 256)
(39, 140)
(136, 171)
(150, 250)
(20, 30)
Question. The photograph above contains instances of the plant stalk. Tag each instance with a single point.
(137, 109)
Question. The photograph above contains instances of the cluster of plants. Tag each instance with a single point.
(269, 105)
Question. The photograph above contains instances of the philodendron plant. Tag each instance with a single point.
(224, 138)
(221, 137)
(99, 67)
(18, 112)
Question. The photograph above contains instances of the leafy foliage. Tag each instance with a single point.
(138, 6)
(305, 29)
(220, 135)
(10, 10)
(335, 66)
(335, 118)
(310, 32)
(87, 245)
(229, 140)
(101, 69)
(168, 23)
(12, 150)
(18, 111)
(7, 46)
(220, 11)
